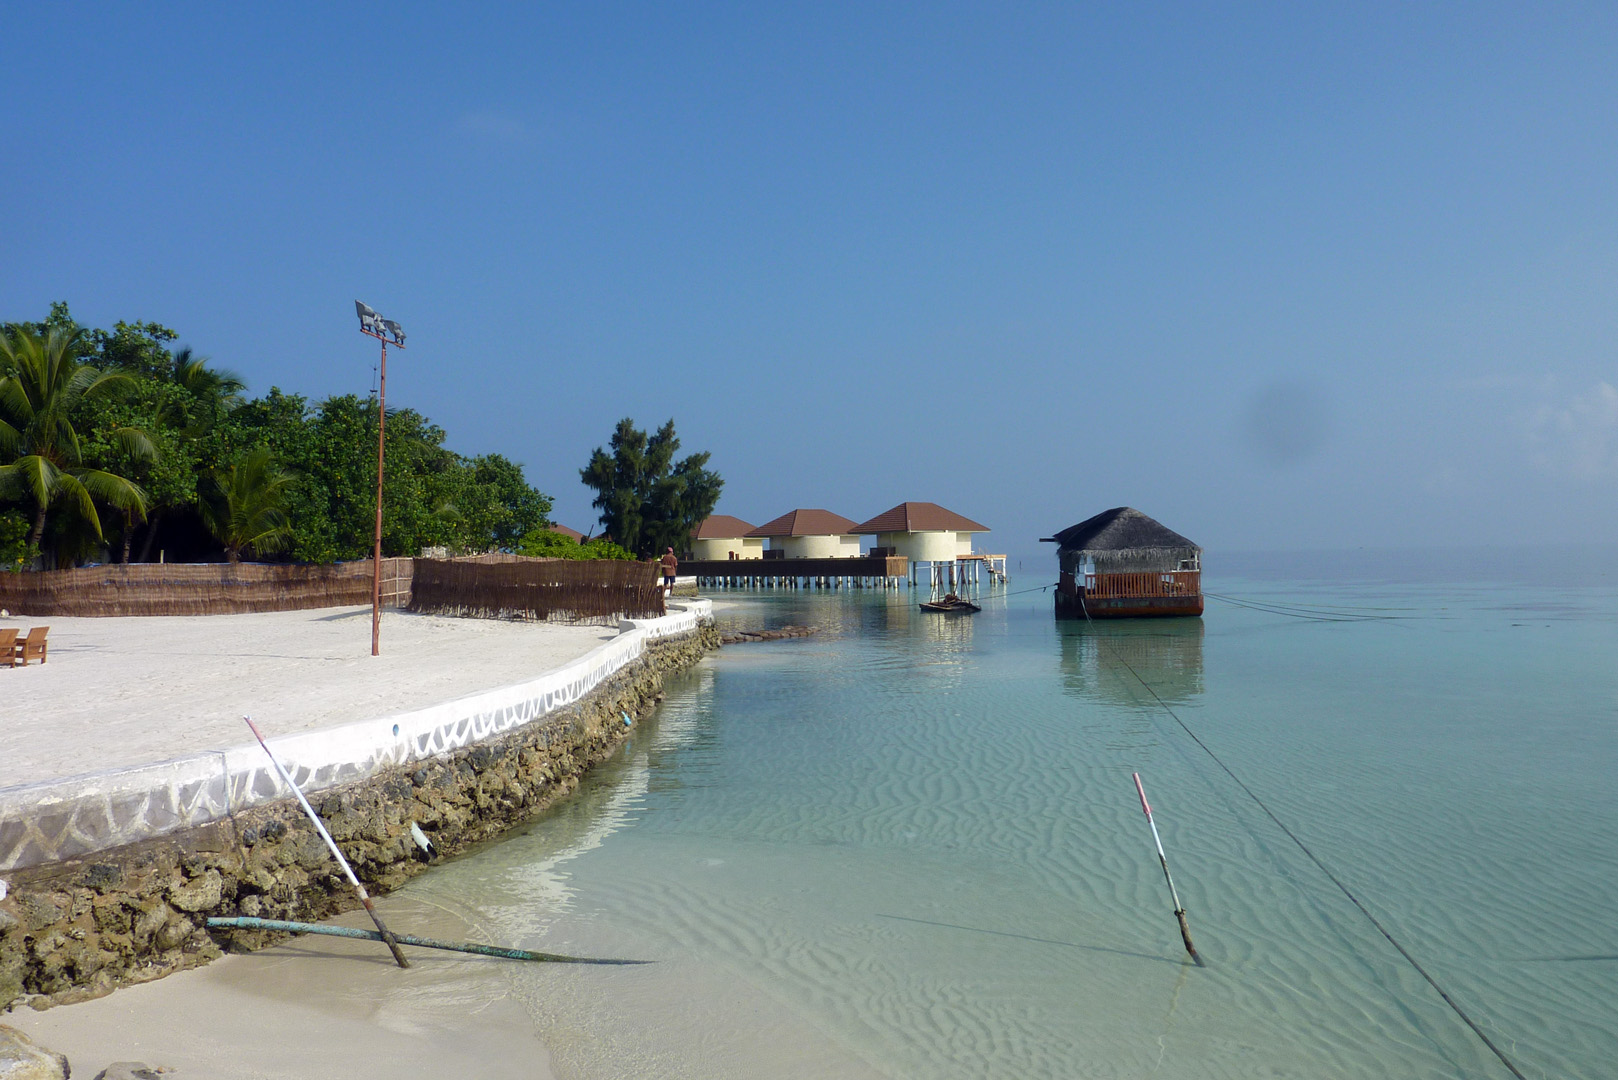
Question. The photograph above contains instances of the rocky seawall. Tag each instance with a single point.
(76, 928)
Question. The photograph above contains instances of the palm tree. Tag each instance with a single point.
(246, 508)
(41, 380)
(210, 395)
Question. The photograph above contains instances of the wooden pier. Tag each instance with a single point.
(961, 570)
(865, 572)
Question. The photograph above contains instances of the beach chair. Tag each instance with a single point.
(8, 648)
(32, 646)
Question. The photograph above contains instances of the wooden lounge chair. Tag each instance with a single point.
(8, 648)
(32, 646)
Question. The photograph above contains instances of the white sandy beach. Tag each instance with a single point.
(132, 691)
(311, 1009)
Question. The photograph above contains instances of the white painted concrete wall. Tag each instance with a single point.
(120, 806)
(745, 547)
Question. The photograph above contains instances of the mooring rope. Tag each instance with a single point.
(1324, 869)
(1019, 592)
(1298, 612)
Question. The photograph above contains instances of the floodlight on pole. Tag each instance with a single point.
(386, 331)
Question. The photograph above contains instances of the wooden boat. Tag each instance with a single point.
(951, 604)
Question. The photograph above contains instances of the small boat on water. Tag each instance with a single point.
(951, 604)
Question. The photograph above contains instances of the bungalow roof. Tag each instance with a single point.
(1122, 528)
(806, 523)
(721, 527)
(919, 517)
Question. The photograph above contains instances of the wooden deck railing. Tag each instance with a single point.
(1170, 583)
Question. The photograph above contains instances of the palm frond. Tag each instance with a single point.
(70, 488)
(135, 442)
(115, 491)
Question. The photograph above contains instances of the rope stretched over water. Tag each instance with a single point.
(1335, 880)
(1019, 592)
(1296, 612)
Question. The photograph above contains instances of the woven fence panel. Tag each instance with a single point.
(514, 587)
(200, 588)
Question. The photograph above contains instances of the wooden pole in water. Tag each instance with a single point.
(320, 827)
(1179, 908)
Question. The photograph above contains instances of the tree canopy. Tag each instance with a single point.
(649, 501)
(147, 445)
(43, 385)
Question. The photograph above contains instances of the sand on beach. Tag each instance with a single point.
(121, 692)
(313, 1008)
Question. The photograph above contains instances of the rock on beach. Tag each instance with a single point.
(23, 1059)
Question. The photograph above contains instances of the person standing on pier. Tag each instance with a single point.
(670, 565)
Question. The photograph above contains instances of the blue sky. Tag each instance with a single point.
(1290, 276)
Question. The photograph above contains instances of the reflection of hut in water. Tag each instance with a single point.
(1121, 564)
(1166, 655)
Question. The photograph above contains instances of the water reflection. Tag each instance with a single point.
(1165, 653)
(952, 632)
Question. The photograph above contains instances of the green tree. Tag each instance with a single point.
(186, 402)
(244, 505)
(544, 544)
(15, 551)
(647, 500)
(42, 382)
(495, 507)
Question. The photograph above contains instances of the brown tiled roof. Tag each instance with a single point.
(919, 517)
(807, 523)
(571, 534)
(721, 527)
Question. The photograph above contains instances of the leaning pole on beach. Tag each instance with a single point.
(320, 827)
(1179, 908)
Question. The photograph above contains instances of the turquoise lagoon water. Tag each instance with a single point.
(910, 846)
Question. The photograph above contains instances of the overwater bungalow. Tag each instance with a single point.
(724, 537)
(809, 534)
(562, 530)
(1122, 564)
(922, 532)
(931, 536)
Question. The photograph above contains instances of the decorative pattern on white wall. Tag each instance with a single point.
(66, 818)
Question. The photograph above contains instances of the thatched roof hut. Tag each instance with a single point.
(1122, 564)
(1122, 541)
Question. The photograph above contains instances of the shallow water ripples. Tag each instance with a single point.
(919, 854)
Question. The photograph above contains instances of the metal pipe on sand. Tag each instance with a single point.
(245, 922)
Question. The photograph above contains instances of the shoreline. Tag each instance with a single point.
(310, 1009)
(73, 930)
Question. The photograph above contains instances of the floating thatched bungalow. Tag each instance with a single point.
(1121, 564)
(809, 534)
(724, 537)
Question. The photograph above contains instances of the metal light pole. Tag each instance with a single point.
(384, 330)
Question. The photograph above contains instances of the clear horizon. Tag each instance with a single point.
(1283, 279)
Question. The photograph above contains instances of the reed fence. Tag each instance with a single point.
(201, 588)
(516, 587)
